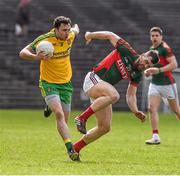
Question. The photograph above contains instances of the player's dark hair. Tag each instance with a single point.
(156, 29)
(59, 20)
(155, 56)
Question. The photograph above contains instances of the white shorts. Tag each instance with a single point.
(166, 91)
(90, 80)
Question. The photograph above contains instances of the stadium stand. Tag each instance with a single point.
(130, 19)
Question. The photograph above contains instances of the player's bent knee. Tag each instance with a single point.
(152, 109)
(104, 129)
(177, 113)
(115, 97)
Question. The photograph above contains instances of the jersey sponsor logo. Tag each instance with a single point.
(129, 68)
(63, 54)
(122, 69)
(60, 44)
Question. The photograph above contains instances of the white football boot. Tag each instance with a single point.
(154, 140)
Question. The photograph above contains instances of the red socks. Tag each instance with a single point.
(155, 131)
(86, 114)
(79, 145)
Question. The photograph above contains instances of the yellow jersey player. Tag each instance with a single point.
(56, 73)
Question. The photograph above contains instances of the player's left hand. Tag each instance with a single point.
(43, 56)
(75, 29)
(140, 115)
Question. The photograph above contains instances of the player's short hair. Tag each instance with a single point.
(156, 29)
(155, 56)
(61, 19)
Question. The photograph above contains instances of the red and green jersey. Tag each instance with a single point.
(119, 64)
(164, 78)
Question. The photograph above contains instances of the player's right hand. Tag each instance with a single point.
(140, 115)
(87, 37)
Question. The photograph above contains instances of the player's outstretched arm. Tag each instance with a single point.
(132, 102)
(102, 35)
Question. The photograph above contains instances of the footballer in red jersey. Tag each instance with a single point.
(122, 63)
(163, 84)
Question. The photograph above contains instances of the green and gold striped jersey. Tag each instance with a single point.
(57, 69)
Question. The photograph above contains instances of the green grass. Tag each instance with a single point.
(30, 144)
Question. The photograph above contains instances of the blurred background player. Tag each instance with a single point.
(56, 73)
(163, 83)
(22, 18)
(121, 63)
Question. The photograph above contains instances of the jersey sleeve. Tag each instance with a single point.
(35, 42)
(167, 51)
(42, 37)
(122, 46)
(135, 81)
(72, 35)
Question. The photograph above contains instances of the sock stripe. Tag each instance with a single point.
(67, 140)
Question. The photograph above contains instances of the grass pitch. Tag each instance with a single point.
(30, 144)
